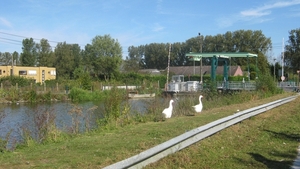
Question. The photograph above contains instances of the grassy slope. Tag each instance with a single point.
(268, 140)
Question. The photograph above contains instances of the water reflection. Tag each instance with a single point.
(17, 118)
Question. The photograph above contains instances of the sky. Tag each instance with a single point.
(141, 22)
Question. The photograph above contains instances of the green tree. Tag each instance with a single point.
(242, 41)
(292, 50)
(87, 59)
(178, 54)
(106, 56)
(252, 42)
(77, 54)
(45, 54)
(156, 56)
(137, 53)
(29, 53)
(66, 58)
(131, 64)
(134, 61)
(16, 58)
(6, 58)
(83, 78)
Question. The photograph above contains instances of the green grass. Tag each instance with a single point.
(268, 140)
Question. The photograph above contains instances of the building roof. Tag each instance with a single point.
(198, 56)
(150, 71)
(191, 70)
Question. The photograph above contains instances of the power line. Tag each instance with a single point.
(26, 37)
(10, 34)
(4, 41)
(11, 40)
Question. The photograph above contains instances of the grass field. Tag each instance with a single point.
(269, 140)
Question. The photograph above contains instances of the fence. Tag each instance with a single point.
(64, 88)
(289, 86)
(57, 88)
(234, 85)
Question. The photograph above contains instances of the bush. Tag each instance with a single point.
(78, 94)
(265, 83)
(9, 81)
(30, 96)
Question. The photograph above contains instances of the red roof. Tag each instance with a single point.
(191, 70)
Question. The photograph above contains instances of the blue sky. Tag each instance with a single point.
(140, 22)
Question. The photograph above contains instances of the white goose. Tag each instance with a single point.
(168, 111)
(198, 108)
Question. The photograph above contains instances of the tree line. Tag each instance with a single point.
(155, 55)
(103, 57)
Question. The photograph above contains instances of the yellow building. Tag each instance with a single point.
(39, 74)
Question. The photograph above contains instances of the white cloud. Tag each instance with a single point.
(157, 27)
(159, 6)
(5, 22)
(265, 9)
(255, 15)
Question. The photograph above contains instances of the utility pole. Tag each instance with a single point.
(298, 71)
(282, 55)
(12, 65)
(168, 65)
(274, 70)
(201, 78)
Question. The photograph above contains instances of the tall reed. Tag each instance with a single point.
(81, 119)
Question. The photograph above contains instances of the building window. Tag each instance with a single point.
(31, 72)
(53, 72)
(22, 72)
(0, 72)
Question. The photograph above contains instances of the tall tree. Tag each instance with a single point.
(135, 59)
(5, 58)
(156, 55)
(292, 50)
(106, 56)
(178, 54)
(44, 51)
(87, 61)
(16, 58)
(77, 54)
(29, 53)
(66, 57)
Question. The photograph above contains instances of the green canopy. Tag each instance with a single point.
(215, 57)
(197, 56)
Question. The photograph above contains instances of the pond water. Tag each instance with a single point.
(15, 119)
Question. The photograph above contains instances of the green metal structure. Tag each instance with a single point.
(216, 57)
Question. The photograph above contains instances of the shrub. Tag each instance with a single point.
(12, 95)
(265, 83)
(13, 80)
(30, 96)
(77, 94)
